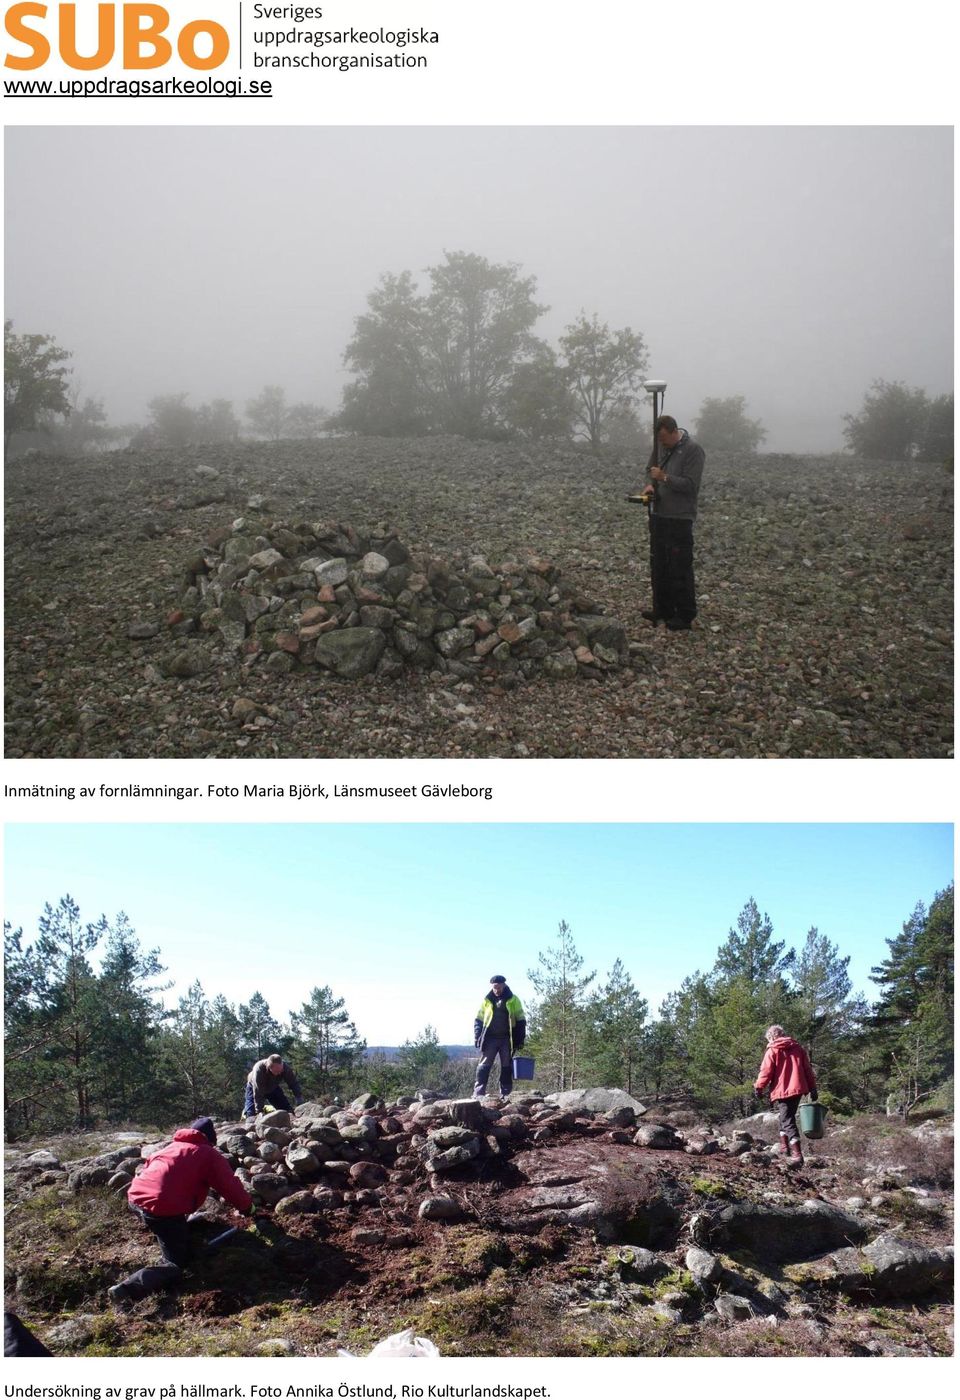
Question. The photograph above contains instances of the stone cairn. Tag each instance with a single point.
(320, 594)
(326, 1157)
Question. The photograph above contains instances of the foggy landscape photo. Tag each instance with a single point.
(319, 442)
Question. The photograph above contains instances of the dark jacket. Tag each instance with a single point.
(516, 1021)
(176, 1179)
(262, 1081)
(676, 498)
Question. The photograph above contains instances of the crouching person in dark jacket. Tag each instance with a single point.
(498, 1033)
(263, 1086)
(172, 1185)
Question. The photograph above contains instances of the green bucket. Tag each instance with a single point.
(811, 1120)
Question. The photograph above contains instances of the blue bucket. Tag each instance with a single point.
(523, 1067)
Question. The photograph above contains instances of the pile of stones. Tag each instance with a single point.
(320, 594)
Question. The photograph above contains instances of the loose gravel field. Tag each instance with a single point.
(825, 589)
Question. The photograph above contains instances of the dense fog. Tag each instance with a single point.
(792, 266)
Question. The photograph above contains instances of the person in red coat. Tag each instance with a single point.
(787, 1072)
(173, 1185)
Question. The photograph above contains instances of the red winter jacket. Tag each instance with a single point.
(176, 1179)
(786, 1068)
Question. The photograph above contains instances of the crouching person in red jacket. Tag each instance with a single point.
(172, 1185)
(787, 1070)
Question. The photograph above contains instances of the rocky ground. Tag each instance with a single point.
(580, 1225)
(825, 625)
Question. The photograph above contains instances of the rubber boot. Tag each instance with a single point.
(796, 1154)
(784, 1145)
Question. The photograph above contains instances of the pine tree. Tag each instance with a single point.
(558, 1019)
(127, 1047)
(203, 1059)
(825, 1016)
(614, 1043)
(259, 1032)
(69, 1007)
(745, 992)
(25, 1036)
(326, 1041)
(913, 1020)
(423, 1060)
(749, 951)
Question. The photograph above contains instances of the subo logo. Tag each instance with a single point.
(139, 31)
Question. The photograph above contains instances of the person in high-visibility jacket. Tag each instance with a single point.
(499, 1031)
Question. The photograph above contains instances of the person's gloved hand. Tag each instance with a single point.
(298, 1100)
(758, 1094)
(813, 1095)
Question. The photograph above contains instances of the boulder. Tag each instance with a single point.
(467, 1113)
(302, 1162)
(703, 1266)
(889, 1267)
(352, 652)
(659, 1136)
(596, 1101)
(783, 1233)
(734, 1308)
(637, 1264)
(440, 1208)
(276, 1118)
(41, 1161)
(297, 1203)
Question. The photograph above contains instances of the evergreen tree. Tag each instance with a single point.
(615, 1040)
(69, 1007)
(259, 1032)
(25, 1035)
(749, 950)
(825, 1016)
(745, 992)
(129, 1019)
(423, 1060)
(558, 1019)
(203, 1059)
(913, 1020)
(326, 1041)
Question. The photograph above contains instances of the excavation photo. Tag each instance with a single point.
(509, 473)
(560, 1134)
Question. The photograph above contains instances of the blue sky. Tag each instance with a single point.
(409, 922)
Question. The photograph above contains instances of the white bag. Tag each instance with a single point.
(400, 1344)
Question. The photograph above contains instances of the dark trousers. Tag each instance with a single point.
(176, 1246)
(671, 568)
(787, 1116)
(492, 1049)
(276, 1099)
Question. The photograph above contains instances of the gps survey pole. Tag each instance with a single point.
(657, 389)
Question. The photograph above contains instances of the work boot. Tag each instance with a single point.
(651, 616)
(679, 624)
(796, 1155)
(120, 1297)
(784, 1145)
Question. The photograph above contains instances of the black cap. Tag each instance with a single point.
(498, 978)
(205, 1126)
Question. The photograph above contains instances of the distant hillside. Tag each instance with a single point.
(452, 1052)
